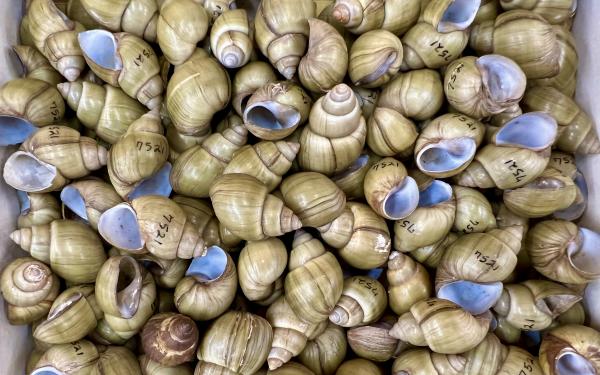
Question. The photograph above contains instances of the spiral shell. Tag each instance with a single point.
(473, 211)
(425, 362)
(36, 66)
(138, 17)
(151, 367)
(113, 298)
(450, 15)
(231, 39)
(363, 301)
(555, 12)
(425, 47)
(89, 198)
(360, 366)
(37, 209)
(375, 57)
(178, 143)
(78, 356)
(17, 173)
(324, 353)
(431, 255)
(351, 180)
(260, 266)
(408, 281)
(570, 350)
(170, 339)
(373, 341)
(360, 16)
(181, 25)
(389, 133)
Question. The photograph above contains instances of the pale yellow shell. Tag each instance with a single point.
(181, 25)
(231, 39)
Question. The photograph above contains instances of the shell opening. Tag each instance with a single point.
(24, 202)
(129, 287)
(534, 130)
(119, 227)
(25, 172)
(446, 155)
(437, 192)
(100, 46)
(402, 200)
(459, 15)
(475, 298)
(14, 130)
(157, 184)
(575, 210)
(64, 306)
(272, 115)
(586, 257)
(502, 77)
(210, 266)
(47, 370)
(360, 162)
(74, 201)
(571, 363)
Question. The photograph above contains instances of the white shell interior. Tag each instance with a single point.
(14, 130)
(24, 202)
(23, 171)
(570, 363)
(129, 287)
(101, 47)
(47, 370)
(71, 198)
(271, 115)
(502, 77)
(119, 227)
(587, 256)
(210, 266)
(402, 200)
(437, 192)
(446, 155)
(158, 184)
(459, 15)
(57, 310)
(534, 130)
(475, 298)
(578, 207)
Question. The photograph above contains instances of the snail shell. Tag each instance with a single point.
(242, 204)
(473, 211)
(29, 287)
(166, 273)
(236, 342)
(389, 133)
(139, 18)
(115, 360)
(430, 221)
(417, 94)
(449, 15)
(360, 16)
(324, 353)
(181, 25)
(247, 80)
(570, 350)
(216, 8)
(373, 341)
(105, 109)
(408, 281)
(55, 36)
(150, 367)
(425, 47)
(89, 198)
(115, 296)
(72, 249)
(291, 368)
(360, 235)
(389, 190)
(358, 366)
(37, 209)
(261, 265)
(276, 109)
(363, 301)
(198, 89)
(79, 356)
(178, 143)
(36, 66)
(564, 163)
(351, 180)
(126, 61)
(555, 12)
(534, 304)
(431, 255)
(425, 362)
(442, 325)
(231, 39)
(563, 252)
(375, 57)
(282, 32)
(290, 333)
(336, 133)
(311, 299)
(25, 36)
(209, 287)
(75, 10)
(170, 339)
(196, 168)
(484, 86)
(17, 173)
(326, 60)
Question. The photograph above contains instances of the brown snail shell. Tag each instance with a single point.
(260, 269)
(170, 339)
(247, 80)
(425, 362)
(375, 57)
(360, 366)
(363, 301)
(425, 47)
(569, 350)
(324, 353)
(360, 235)
(309, 263)
(373, 342)
(181, 25)
(409, 282)
(89, 198)
(231, 38)
(79, 356)
(473, 211)
(37, 209)
(389, 133)
(36, 66)
(360, 16)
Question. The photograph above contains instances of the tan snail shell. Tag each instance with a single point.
(166, 273)
(564, 163)
(431, 255)
(326, 60)
(309, 263)
(79, 356)
(37, 209)
(442, 325)
(140, 20)
(209, 287)
(373, 341)
(473, 211)
(150, 367)
(324, 353)
(28, 287)
(426, 362)
(248, 79)
(389, 133)
(113, 298)
(276, 109)
(351, 180)
(360, 236)
(484, 86)
(358, 366)
(105, 109)
(181, 25)
(36, 66)
(450, 15)
(260, 269)
(363, 301)
(375, 57)
(290, 333)
(178, 143)
(477, 263)
(523, 36)
(55, 36)
(198, 89)
(243, 351)
(217, 7)
(577, 132)
(170, 339)
(196, 168)
(17, 174)
(389, 190)
(116, 359)
(360, 16)
(533, 305)
(75, 10)
(336, 132)
(89, 198)
(409, 282)
(417, 94)
(282, 32)
(231, 38)
(72, 249)
(570, 350)
(430, 221)
(555, 12)
(563, 252)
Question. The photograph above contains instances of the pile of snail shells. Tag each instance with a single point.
(300, 187)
